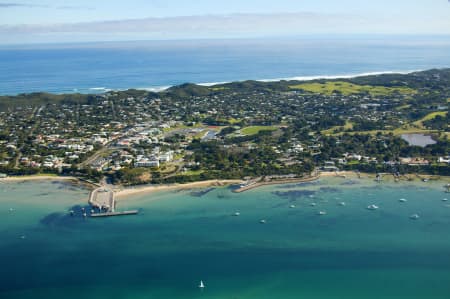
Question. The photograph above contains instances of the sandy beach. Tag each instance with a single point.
(127, 192)
(37, 178)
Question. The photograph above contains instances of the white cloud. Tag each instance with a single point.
(199, 24)
(223, 26)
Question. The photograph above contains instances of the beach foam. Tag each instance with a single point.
(295, 78)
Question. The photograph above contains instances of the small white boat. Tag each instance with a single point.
(313, 204)
(444, 199)
(11, 209)
(414, 217)
(262, 221)
(237, 214)
(402, 200)
(321, 213)
(342, 204)
(201, 285)
(292, 206)
(373, 207)
(85, 214)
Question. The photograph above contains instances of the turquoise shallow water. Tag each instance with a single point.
(182, 237)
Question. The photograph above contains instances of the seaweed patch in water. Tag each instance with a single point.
(376, 187)
(201, 192)
(329, 189)
(302, 184)
(294, 193)
(51, 219)
(42, 194)
(350, 182)
(64, 219)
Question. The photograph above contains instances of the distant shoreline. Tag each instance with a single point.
(162, 88)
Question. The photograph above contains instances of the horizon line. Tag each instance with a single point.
(237, 38)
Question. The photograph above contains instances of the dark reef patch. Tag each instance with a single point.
(201, 193)
(60, 219)
(329, 189)
(294, 193)
(303, 184)
(350, 183)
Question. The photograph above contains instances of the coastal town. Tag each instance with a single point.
(242, 130)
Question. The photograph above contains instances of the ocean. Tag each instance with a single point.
(155, 65)
(182, 237)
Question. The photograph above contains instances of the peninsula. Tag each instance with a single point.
(391, 123)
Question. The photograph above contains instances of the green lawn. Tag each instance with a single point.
(419, 123)
(348, 125)
(256, 129)
(396, 132)
(347, 88)
(233, 121)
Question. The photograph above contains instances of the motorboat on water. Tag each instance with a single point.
(342, 203)
(373, 207)
(402, 200)
(313, 204)
(321, 213)
(262, 221)
(292, 206)
(236, 214)
(414, 217)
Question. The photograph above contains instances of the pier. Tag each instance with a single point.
(103, 199)
(109, 214)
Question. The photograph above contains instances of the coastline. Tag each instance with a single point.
(38, 178)
(305, 78)
(122, 193)
(127, 192)
(162, 88)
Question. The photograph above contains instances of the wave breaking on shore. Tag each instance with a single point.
(295, 78)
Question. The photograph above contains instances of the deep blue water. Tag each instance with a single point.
(96, 67)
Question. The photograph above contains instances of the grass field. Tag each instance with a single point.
(347, 88)
(233, 121)
(419, 123)
(348, 125)
(179, 127)
(398, 132)
(256, 129)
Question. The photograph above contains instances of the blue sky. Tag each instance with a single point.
(35, 21)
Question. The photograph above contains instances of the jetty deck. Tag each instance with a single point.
(103, 199)
(110, 214)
